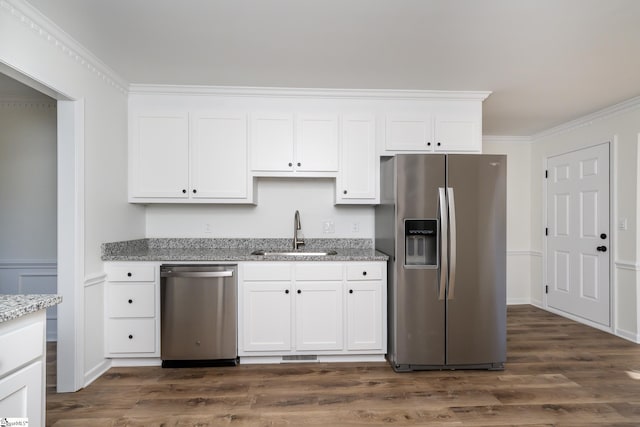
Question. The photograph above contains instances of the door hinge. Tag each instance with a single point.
(546, 289)
(546, 174)
(546, 231)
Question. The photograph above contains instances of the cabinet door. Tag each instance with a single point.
(266, 316)
(22, 394)
(159, 156)
(409, 132)
(364, 316)
(319, 322)
(457, 133)
(316, 146)
(219, 156)
(272, 142)
(357, 178)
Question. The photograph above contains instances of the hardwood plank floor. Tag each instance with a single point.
(558, 373)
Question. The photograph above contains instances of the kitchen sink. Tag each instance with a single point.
(293, 253)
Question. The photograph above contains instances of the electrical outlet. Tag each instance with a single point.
(207, 228)
(328, 227)
(355, 227)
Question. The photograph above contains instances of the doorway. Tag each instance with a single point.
(578, 234)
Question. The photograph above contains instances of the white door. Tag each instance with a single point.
(578, 233)
(219, 156)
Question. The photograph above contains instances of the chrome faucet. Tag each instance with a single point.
(297, 241)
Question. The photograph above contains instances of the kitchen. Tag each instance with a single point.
(107, 216)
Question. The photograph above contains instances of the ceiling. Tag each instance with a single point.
(546, 61)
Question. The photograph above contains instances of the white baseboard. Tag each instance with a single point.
(628, 335)
(518, 301)
(131, 361)
(96, 372)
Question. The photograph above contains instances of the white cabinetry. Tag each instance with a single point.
(312, 309)
(189, 158)
(299, 144)
(358, 176)
(436, 126)
(22, 368)
(133, 310)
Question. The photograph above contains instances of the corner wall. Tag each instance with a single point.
(619, 125)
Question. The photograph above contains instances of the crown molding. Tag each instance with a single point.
(287, 92)
(605, 113)
(503, 139)
(61, 41)
(23, 103)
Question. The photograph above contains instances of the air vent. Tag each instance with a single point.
(300, 358)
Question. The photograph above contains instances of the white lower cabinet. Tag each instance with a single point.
(22, 368)
(132, 310)
(312, 309)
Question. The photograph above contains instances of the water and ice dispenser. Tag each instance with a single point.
(421, 242)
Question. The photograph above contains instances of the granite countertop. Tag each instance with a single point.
(238, 250)
(15, 306)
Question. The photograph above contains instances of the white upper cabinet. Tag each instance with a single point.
(159, 156)
(219, 156)
(457, 133)
(358, 177)
(272, 142)
(409, 132)
(186, 157)
(288, 145)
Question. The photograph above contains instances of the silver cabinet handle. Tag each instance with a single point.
(452, 233)
(444, 267)
(227, 273)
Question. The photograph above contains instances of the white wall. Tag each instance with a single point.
(28, 200)
(35, 47)
(521, 260)
(619, 125)
(278, 199)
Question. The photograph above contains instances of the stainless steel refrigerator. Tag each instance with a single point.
(442, 221)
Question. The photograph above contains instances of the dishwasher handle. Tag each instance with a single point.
(197, 274)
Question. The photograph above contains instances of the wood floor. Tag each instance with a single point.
(559, 373)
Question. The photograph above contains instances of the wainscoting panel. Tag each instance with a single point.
(32, 277)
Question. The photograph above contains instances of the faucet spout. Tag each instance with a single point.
(297, 225)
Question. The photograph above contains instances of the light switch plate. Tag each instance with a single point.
(622, 224)
(328, 227)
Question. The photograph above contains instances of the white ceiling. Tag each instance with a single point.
(546, 61)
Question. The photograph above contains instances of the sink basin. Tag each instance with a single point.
(293, 253)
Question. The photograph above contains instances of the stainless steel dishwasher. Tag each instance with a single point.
(198, 315)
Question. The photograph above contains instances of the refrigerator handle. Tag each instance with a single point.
(444, 266)
(452, 249)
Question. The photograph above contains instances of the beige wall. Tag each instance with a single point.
(520, 258)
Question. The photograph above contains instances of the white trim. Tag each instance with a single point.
(627, 265)
(579, 319)
(18, 264)
(518, 301)
(628, 335)
(60, 40)
(525, 253)
(605, 113)
(498, 139)
(97, 372)
(288, 92)
(128, 362)
(95, 279)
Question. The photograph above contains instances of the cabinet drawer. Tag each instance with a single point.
(267, 271)
(131, 273)
(131, 336)
(318, 271)
(364, 271)
(21, 344)
(131, 300)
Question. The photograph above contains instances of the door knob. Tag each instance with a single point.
(603, 236)
(601, 249)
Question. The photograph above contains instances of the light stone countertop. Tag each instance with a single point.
(237, 250)
(15, 306)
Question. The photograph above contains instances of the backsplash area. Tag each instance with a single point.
(272, 217)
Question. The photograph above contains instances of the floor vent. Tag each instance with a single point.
(300, 358)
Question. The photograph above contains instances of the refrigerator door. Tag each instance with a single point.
(476, 306)
(418, 324)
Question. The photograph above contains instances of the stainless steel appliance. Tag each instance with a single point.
(442, 221)
(198, 315)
